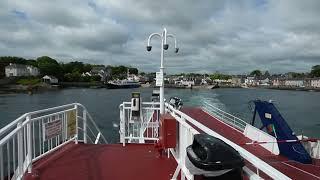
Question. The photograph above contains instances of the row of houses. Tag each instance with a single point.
(187, 81)
(307, 82)
(105, 73)
(283, 82)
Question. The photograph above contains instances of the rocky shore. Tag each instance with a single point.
(29, 89)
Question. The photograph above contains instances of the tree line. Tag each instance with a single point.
(70, 72)
(314, 72)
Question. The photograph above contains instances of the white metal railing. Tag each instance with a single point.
(185, 138)
(35, 134)
(247, 129)
(224, 116)
(135, 131)
(146, 128)
(313, 148)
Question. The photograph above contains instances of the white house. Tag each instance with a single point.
(98, 70)
(296, 83)
(184, 83)
(315, 83)
(33, 71)
(50, 79)
(133, 77)
(86, 74)
(236, 81)
(250, 81)
(13, 70)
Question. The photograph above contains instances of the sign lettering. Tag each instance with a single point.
(51, 129)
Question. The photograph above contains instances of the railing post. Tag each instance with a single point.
(29, 144)
(1, 164)
(77, 132)
(122, 125)
(84, 116)
(20, 150)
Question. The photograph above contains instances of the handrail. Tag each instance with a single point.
(145, 128)
(227, 117)
(24, 140)
(92, 121)
(22, 117)
(254, 160)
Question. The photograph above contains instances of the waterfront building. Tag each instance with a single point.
(315, 83)
(264, 82)
(279, 82)
(276, 82)
(250, 81)
(185, 82)
(99, 71)
(86, 74)
(236, 81)
(307, 82)
(14, 70)
(294, 82)
(50, 79)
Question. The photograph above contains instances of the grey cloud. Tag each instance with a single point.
(226, 36)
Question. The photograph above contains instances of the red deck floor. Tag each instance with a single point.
(142, 161)
(110, 161)
(292, 169)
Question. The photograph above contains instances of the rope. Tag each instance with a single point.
(281, 141)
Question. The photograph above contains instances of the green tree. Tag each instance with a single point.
(256, 73)
(49, 66)
(220, 76)
(87, 67)
(32, 62)
(315, 71)
(119, 72)
(74, 66)
(142, 73)
(266, 74)
(133, 71)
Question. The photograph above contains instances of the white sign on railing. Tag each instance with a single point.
(52, 129)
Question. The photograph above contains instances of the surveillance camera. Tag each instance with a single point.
(177, 49)
(165, 46)
(149, 48)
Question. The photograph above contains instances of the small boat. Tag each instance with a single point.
(130, 82)
(122, 84)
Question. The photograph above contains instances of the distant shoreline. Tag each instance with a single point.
(292, 88)
(31, 89)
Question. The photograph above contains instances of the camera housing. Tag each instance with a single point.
(149, 48)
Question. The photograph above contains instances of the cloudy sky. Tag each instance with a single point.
(230, 36)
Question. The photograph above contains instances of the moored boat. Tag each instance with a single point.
(122, 84)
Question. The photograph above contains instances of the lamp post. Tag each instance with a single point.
(164, 46)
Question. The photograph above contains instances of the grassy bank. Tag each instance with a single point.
(28, 81)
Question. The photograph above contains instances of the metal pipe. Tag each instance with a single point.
(84, 116)
(20, 149)
(175, 40)
(161, 74)
(29, 143)
(164, 46)
(77, 124)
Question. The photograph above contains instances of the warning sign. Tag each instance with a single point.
(51, 129)
(71, 123)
